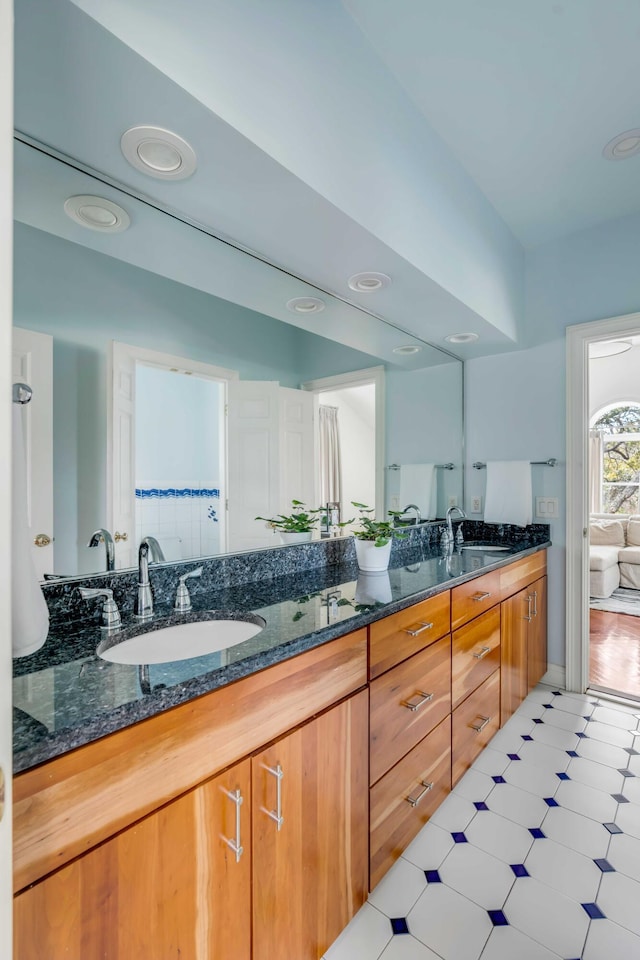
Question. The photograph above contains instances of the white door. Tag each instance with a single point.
(32, 363)
(297, 448)
(254, 462)
(6, 239)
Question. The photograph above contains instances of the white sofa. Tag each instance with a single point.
(614, 553)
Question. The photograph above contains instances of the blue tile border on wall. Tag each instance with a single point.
(162, 493)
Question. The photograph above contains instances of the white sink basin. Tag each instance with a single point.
(487, 548)
(181, 641)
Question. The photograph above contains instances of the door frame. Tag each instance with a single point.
(579, 337)
(360, 378)
(171, 363)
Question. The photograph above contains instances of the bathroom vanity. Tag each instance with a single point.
(250, 819)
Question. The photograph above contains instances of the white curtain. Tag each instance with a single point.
(330, 461)
(595, 471)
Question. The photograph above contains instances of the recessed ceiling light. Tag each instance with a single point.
(97, 213)
(608, 348)
(305, 305)
(625, 145)
(462, 338)
(158, 153)
(368, 282)
(407, 349)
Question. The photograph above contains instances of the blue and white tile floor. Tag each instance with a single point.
(534, 856)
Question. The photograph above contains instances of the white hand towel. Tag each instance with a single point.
(509, 495)
(30, 615)
(417, 486)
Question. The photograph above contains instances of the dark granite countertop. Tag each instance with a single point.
(65, 695)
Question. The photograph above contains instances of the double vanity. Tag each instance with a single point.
(242, 803)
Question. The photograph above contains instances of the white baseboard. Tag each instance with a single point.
(555, 676)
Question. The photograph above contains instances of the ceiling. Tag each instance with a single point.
(432, 142)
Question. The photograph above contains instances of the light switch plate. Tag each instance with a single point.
(547, 508)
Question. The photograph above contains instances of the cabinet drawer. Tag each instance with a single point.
(480, 710)
(471, 599)
(475, 654)
(517, 575)
(406, 703)
(397, 637)
(405, 798)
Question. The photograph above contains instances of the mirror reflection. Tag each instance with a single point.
(176, 396)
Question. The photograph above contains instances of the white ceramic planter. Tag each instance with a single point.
(295, 537)
(373, 587)
(370, 557)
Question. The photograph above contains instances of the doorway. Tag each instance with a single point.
(350, 442)
(603, 410)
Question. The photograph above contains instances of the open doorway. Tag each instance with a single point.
(614, 516)
(603, 506)
(350, 439)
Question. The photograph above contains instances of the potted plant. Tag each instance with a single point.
(373, 539)
(297, 526)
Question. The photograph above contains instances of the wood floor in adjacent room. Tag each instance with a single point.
(614, 644)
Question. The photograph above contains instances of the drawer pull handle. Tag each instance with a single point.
(414, 801)
(535, 603)
(236, 845)
(421, 629)
(528, 598)
(276, 814)
(479, 727)
(419, 701)
(482, 653)
(480, 596)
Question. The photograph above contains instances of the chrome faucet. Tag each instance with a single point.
(412, 506)
(448, 537)
(103, 536)
(143, 607)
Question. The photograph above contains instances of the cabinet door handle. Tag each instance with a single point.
(418, 700)
(481, 654)
(479, 727)
(535, 603)
(528, 617)
(480, 596)
(276, 814)
(414, 801)
(236, 845)
(421, 629)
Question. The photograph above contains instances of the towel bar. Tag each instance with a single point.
(552, 462)
(438, 466)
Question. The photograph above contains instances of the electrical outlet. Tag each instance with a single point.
(476, 504)
(395, 503)
(453, 501)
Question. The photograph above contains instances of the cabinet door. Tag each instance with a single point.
(537, 654)
(169, 886)
(515, 616)
(310, 836)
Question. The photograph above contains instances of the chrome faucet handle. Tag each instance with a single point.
(459, 534)
(183, 600)
(110, 614)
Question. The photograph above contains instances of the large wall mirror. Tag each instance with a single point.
(178, 395)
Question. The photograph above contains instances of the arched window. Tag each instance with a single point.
(615, 433)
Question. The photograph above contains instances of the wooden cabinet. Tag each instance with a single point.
(395, 638)
(310, 837)
(471, 599)
(524, 644)
(169, 886)
(475, 654)
(474, 723)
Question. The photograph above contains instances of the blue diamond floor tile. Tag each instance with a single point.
(538, 720)
(572, 753)
(620, 797)
(480, 805)
(526, 736)
(459, 837)
(498, 918)
(563, 776)
(626, 773)
(612, 827)
(399, 925)
(604, 865)
(548, 706)
(432, 876)
(537, 833)
(513, 756)
(550, 802)
(498, 779)
(594, 911)
(519, 869)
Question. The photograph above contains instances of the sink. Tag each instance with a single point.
(155, 643)
(485, 548)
